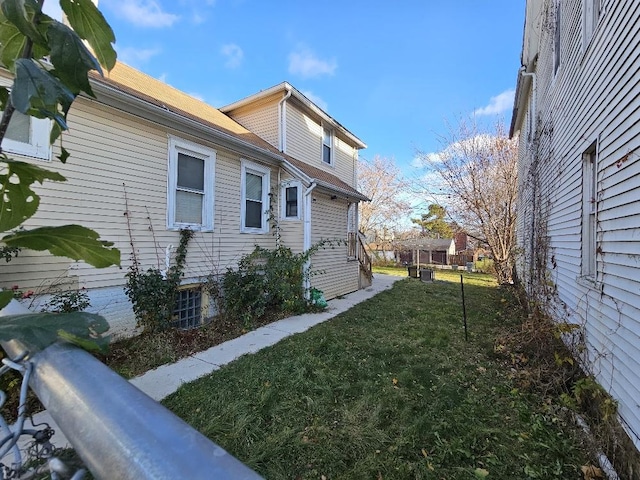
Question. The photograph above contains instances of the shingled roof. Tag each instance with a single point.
(132, 82)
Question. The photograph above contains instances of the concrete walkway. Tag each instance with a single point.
(166, 379)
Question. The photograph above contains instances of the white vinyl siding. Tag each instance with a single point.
(596, 96)
(255, 198)
(191, 185)
(329, 221)
(304, 142)
(261, 119)
(118, 165)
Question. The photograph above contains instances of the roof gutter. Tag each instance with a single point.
(519, 102)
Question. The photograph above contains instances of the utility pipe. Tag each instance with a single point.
(306, 236)
(283, 121)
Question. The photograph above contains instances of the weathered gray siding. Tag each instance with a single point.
(593, 96)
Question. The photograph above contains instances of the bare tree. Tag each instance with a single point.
(478, 173)
(381, 180)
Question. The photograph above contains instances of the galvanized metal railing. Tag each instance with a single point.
(116, 429)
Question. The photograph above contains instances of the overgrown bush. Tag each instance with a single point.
(153, 293)
(267, 281)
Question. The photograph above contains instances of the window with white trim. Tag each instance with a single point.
(191, 185)
(28, 136)
(291, 195)
(327, 146)
(591, 15)
(589, 211)
(556, 37)
(255, 198)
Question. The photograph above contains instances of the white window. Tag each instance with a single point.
(327, 146)
(291, 195)
(589, 211)
(191, 185)
(27, 136)
(556, 37)
(591, 14)
(254, 209)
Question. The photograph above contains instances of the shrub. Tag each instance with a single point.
(268, 281)
(153, 293)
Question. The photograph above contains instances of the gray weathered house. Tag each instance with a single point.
(577, 115)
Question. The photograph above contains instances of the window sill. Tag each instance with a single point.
(193, 228)
(589, 282)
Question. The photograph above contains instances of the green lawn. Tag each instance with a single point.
(388, 390)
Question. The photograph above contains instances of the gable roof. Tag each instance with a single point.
(136, 92)
(286, 87)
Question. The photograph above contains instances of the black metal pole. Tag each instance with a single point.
(464, 310)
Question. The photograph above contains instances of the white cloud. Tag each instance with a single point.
(136, 56)
(304, 62)
(196, 95)
(316, 99)
(498, 104)
(163, 78)
(234, 55)
(143, 13)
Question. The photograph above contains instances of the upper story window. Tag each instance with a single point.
(591, 15)
(556, 36)
(28, 136)
(327, 146)
(254, 208)
(291, 195)
(191, 185)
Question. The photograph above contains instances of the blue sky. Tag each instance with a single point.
(391, 72)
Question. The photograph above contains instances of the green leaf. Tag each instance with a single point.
(12, 42)
(36, 92)
(72, 241)
(90, 344)
(64, 155)
(39, 330)
(17, 200)
(71, 59)
(56, 131)
(4, 96)
(5, 298)
(87, 21)
(22, 13)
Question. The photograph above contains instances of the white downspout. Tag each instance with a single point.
(283, 122)
(532, 113)
(306, 236)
